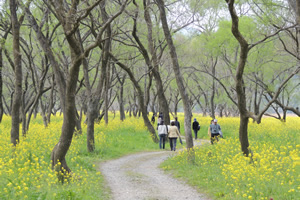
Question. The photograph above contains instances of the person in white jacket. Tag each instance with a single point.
(162, 130)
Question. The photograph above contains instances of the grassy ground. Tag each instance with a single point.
(25, 173)
(223, 172)
(220, 170)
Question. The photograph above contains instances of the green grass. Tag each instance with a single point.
(222, 172)
(27, 174)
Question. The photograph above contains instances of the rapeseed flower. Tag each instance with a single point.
(272, 165)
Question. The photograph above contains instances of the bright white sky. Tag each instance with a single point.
(1, 3)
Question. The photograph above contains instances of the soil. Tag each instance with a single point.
(138, 177)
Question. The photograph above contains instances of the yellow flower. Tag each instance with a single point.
(291, 190)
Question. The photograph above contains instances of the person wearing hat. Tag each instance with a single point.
(214, 130)
(196, 127)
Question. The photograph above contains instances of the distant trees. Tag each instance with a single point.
(89, 57)
(240, 83)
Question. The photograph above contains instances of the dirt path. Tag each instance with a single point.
(138, 177)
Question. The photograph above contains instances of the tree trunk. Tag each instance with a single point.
(69, 117)
(78, 122)
(130, 110)
(2, 99)
(121, 97)
(162, 100)
(221, 110)
(121, 104)
(212, 102)
(45, 44)
(6, 106)
(244, 119)
(43, 114)
(94, 98)
(17, 97)
(105, 59)
(69, 120)
(179, 80)
(1, 85)
(176, 105)
(23, 112)
(140, 96)
(92, 106)
(51, 103)
(240, 88)
(91, 116)
(256, 107)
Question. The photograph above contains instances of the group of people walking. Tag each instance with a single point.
(172, 132)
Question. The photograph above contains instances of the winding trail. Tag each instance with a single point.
(138, 177)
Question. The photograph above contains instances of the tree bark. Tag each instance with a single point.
(105, 59)
(162, 100)
(1, 85)
(17, 97)
(51, 103)
(256, 105)
(45, 44)
(43, 113)
(179, 80)
(140, 96)
(212, 102)
(176, 102)
(23, 109)
(94, 98)
(1, 69)
(240, 88)
(121, 97)
(70, 27)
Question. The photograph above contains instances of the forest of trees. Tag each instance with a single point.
(86, 58)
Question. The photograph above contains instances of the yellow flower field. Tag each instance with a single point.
(25, 171)
(221, 170)
(272, 170)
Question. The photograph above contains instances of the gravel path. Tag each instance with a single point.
(137, 177)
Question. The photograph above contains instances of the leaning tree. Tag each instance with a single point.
(245, 47)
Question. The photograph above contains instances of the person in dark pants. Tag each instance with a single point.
(162, 131)
(153, 119)
(214, 130)
(173, 134)
(177, 124)
(196, 127)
